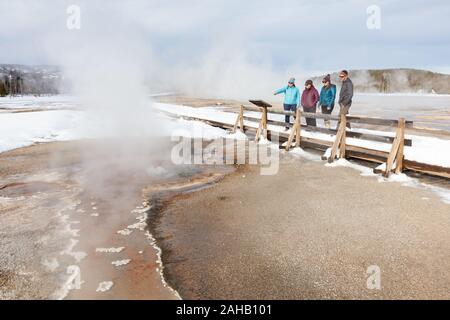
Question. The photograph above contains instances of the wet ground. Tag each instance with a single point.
(75, 213)
(309, 232)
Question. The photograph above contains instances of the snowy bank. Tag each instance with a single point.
(429, 150)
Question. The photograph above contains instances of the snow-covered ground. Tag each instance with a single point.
(35, 102)
(22, 129)
(59, 118)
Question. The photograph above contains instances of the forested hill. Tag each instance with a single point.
(396, 81)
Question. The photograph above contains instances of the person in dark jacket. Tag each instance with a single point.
(346, 94)
(327, 98)
(310, 97)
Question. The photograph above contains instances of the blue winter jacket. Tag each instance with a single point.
(327, 96)
(291, 95)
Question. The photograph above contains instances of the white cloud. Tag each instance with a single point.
(250, 41)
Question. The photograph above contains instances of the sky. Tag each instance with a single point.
(213, 37)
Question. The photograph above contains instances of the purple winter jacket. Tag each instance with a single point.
(310, 97)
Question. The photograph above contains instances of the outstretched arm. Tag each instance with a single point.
(282, 90)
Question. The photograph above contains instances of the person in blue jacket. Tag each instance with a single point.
(327, 98)
(291, 98)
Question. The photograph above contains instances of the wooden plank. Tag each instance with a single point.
(261, 103)
(377, 121)
(364, 156)
(375, 153)
(316, 144)
(429, 169)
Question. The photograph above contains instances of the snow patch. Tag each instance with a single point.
(119, 263)
(124, 232)
(365, 171)
(50, 265)
(109, 250)
(304, 154)
(238, 135)
(104, 286)
(77, 255)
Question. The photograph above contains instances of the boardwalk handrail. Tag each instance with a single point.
(395, 158)
(351, 151)
(352, 118)
(350, 134)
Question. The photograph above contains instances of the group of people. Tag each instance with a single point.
(310, 98)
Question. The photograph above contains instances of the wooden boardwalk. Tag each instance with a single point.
(393, 161)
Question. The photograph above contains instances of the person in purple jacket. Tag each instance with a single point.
(310, 97)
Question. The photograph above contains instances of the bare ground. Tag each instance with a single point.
(309, 232)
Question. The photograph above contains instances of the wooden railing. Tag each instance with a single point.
(394, 160)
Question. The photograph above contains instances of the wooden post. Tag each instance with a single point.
(396, 153)
(344, 137)
(295, 131)
(264, 121)
(340, 140)
(239, 120)
(391, 157)
(298, 121)
(258, 133)
(291, 136)
(400, 155)
(262, 129)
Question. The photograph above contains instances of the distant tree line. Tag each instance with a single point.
(36, 82)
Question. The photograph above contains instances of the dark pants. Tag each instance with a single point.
(326, 110)
(344, 110)
(289, 107)
(310, 121)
